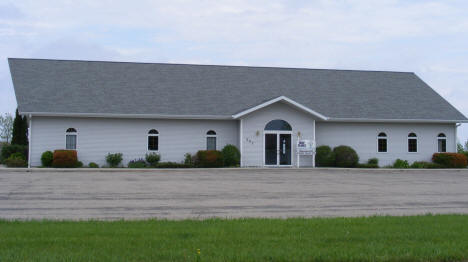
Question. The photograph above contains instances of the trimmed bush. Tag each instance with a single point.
(65, 158)
(15, 161)
(79, 164)
(400, 164)
(324, 157)
(231, 155)
(17, 155)
(8, 150)
(172, 165)
(345, 156)
(371, 163)
(423, 164)
(93, 165)
(209, 158)
(46, 158)
(153, 159)
(450, 160)
(114, 160)
(137, 163)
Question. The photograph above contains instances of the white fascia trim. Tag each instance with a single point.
(281, 98)
(370, 120)
(147, 116)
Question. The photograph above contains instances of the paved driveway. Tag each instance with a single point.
(230, 193)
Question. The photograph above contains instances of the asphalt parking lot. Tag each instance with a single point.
(203, 193)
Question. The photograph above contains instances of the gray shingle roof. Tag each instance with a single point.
(64, 86)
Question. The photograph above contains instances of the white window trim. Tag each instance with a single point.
(381, 137)
(147, 141)
(76, 138)
(215, 136)
(417, 143)
(441, 138)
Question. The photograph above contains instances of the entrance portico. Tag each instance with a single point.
(268, 135)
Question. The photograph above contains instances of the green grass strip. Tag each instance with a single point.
(380, 238)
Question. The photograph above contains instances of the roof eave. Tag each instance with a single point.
(141, 116)
(370, 120)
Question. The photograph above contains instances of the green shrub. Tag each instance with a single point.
(137, 163)
(114, 160)
(188, 159)
(324, 157)
(65, 158)
(423, 164)
(209, 158)
(231, 155)
(93, 165)
(172, 165)
(400, 164)
(373, 161)
(46, 158)
(16, 161)
(152, 159)
(7, 150)
(450, 160)
(18, 155)
(345, 156)
(79, 164)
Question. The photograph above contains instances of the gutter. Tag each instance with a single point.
(232, 117)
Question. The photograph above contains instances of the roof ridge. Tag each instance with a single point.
(212, 65)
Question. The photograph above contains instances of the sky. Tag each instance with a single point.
(429, 38)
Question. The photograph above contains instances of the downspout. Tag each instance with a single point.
(315, 145)
(240, 143)
(29, 140)
(456, 136)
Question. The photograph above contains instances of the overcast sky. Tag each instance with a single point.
(429, 38)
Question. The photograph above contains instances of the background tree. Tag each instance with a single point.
(20, 130)
(6, 127)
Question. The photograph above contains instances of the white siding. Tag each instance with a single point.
(253, 126)
(363, 138)
(99, 136)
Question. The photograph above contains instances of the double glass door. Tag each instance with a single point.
(278, 149)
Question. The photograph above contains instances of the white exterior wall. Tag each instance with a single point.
(253, 126)
(363, 138)
(96, 137)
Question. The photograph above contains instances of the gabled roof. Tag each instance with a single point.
(280, 99)
(95, 88)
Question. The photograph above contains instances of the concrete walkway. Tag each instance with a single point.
(202, 193)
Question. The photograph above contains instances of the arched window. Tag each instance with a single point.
(280, 125)
(211, 140)
(153, 140)
(70, 139)
(382, 142)
(412, 143)
(441, 143)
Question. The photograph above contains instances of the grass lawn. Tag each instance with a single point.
(414, 238)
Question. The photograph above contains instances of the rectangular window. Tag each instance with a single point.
(412, 145)
(211, 143)
(382, 145)
(442, 145)
(153, 143)
(70, 142)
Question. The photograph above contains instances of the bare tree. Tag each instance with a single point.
(6, 127)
